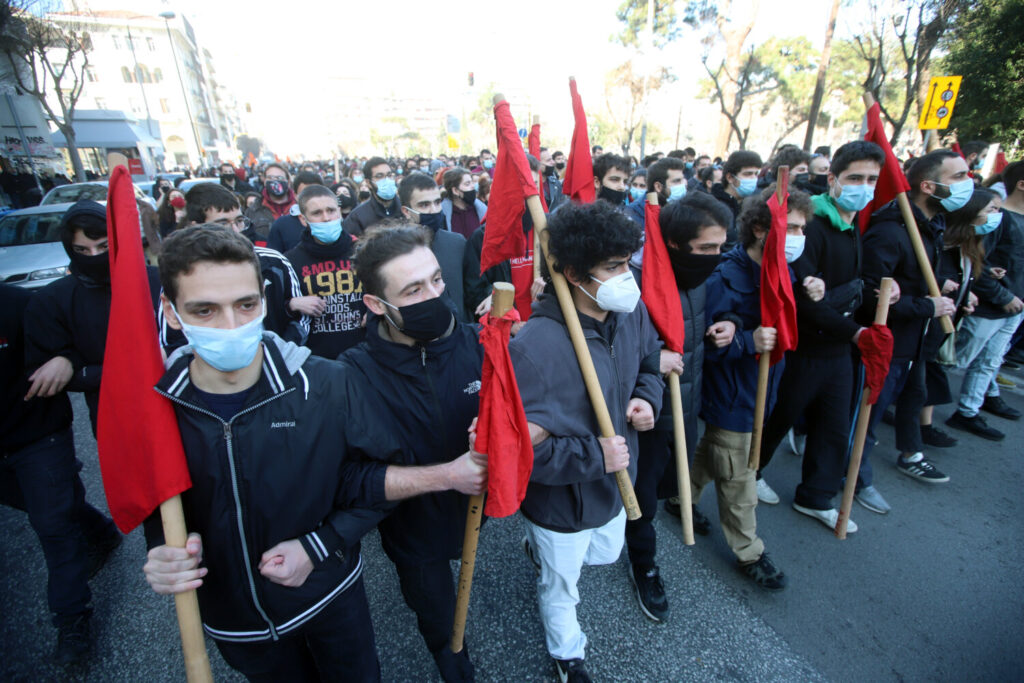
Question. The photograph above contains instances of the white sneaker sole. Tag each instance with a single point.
(826, 517)
(643, 607)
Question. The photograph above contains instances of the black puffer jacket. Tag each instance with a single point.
(282, 468)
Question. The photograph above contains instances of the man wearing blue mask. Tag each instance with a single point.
(739, 181)
(421, 204)
(487, 161)
(939, 183)
(463, 212)
(323, 263)
(383, 202)
(278, 504)
(664, 178)
(819, 377)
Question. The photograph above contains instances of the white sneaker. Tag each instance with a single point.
(826, 517)
(765, 494)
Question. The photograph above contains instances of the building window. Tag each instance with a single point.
(101, 103)
(126, 74)
(164, 107)
(150, 45)
(135, 106)
(116, 41)
(158, 75)
(131, 42)
(144, 75)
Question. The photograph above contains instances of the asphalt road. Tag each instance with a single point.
(929, 592)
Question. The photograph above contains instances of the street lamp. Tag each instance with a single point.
(167, 16)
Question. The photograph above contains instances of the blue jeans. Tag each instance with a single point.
(981, 344)
(42, 479)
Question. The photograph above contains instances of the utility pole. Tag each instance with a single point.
(645, 74)
(819, 86)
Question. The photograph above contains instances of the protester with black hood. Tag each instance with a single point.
(229, 178)
(66, 321)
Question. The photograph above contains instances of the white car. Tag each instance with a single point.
(95, 190)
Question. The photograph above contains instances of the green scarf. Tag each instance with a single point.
(825, 207)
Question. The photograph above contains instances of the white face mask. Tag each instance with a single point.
(794, 247)
(618, 294)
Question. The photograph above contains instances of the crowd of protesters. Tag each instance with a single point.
(331, 319)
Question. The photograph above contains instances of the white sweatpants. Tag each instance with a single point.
(561, 557)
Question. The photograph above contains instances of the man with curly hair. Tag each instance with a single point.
(574, 514)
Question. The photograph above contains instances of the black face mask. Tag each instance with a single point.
(469, 196)
(364, 195)
(93, 271)
(427, 320)
(277, 188)
(346, 202)
(820, 181)
(434, 221)
(801, 178)
(228, 177)
(692, 269)
(550, 170)
(614, 197)
(559, 165)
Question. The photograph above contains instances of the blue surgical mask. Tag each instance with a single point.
(476, 187)
(327, 232)
(357, 178)
(636, 193)
(689, 165)
(854, 197)
(488, 163)
(992, 222)
(747, 187)
(225, 350)
(387, 189)
(959, 194)
(677, 192)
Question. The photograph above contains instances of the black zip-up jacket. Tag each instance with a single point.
(1004, 248)
(282, 468)
(425, 395)
(887, 252)
(732, 234)
(69, 318)
(369, 213)
(22, 422)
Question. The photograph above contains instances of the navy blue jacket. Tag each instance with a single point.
(730, 373)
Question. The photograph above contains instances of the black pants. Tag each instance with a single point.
(904, 387)
(336, 645)
(655, 462)
(821, 388)
(42, 479)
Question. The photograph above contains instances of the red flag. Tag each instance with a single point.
(579, 168)
(956, 148)
(513, 183)
(141, 457)
(501, 430)
(1001, 163)
(533, 141)
(658, 284)
(891, 182)
(778, 307)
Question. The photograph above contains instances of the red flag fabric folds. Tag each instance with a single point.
(875, 344)
(891, 182)
(533, 142)
(1001, 163)
(579, 168)
(141, 457)
(513, 183)
(778, 307)
(658, 284)
(501, 430)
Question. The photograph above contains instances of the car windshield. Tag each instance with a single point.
(72, 193)
(36, 228)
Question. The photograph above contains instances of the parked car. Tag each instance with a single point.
(187, 185)
(95, 190)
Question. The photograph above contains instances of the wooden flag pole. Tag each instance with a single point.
(536, 232)
(764, 363)
(915, 240)
(193, 647)
(502, 301)
(863, 417)
(679, 435)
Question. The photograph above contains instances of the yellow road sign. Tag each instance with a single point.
(453, 143)
(939, 105)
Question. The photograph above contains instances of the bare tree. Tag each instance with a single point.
(46, 61)
(733, 90)
(624, 94)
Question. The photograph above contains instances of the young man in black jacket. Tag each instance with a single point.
(418, 373)
(39, 474)
(277, 505)
(573, 510)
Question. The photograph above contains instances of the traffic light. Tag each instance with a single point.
(470, 79)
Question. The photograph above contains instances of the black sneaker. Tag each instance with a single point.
(701, 524)
(975, 425)
(920, 469)
(101, 552)
(73, 641)
(765, 574)
(650, 592)
(1000, 408)
(572, 671)
(936, 437)
(672, 506)
(528, 549)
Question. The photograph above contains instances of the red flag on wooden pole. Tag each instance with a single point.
(579, 168)
(533, 142)
(658, 284)
(141, 457)
(513, 183)
(891, 181)
(778, 307)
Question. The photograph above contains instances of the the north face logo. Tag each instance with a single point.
(472, 388)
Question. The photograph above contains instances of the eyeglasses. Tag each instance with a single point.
(382, 176)
(240, 222)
